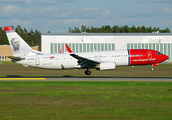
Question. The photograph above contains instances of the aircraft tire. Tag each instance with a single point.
(151, 69)
(87, 72)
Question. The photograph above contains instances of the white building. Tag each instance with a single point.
(87, 42)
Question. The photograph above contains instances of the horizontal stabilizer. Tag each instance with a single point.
(15, 58)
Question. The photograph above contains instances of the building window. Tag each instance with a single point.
(55, 48)
(113, 46)
(109, 47)
(135, 46)
(51, 48)
(157, 47)
(161, 48)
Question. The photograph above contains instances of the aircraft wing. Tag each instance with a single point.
(84, 62)
(15, 58)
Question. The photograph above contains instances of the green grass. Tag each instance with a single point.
(85, 100)
(7, 62)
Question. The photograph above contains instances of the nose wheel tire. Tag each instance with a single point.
(87, 72)
(151, 68)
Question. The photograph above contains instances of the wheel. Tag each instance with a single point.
(151, 68)
(87, 72)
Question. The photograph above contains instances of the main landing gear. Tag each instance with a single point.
(87, 72)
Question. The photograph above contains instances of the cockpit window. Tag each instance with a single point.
(159, 53)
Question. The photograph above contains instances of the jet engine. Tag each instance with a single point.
(106, 66)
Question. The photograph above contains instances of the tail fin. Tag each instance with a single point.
(18, 46)
(68, 49)
(61, 51)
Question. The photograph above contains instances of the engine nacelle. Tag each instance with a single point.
(106, 66)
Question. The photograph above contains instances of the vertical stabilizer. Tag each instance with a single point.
(61, 51)
(18, 46)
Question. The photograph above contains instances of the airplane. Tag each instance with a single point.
(60, 50)
(100, 60)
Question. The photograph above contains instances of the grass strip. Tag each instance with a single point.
(27, 100)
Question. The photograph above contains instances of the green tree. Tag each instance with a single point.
(103, 28)
(139, 30)
(1, 36)
(36, 36)
(107, 29)
(122, 30)
(88, 30)
(117, 29)
(114, 29)
(77, 30)
(5, 40)
(70, 30)
(126, 29)
(167, 30)
(154, 29)
(143, 29)
(25, 34)
(32, 37)
(83, 28)
(149, 29)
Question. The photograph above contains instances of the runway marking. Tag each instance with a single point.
(22, 78)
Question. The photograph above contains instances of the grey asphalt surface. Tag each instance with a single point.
(89, 79)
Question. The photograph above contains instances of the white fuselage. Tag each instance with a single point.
(65, 61)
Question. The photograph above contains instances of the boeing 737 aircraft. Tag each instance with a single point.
(102, 60)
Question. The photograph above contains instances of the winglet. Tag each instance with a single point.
(61, 51)
(68, 49)
(8, 29)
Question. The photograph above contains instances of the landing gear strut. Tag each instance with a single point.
(87, 72)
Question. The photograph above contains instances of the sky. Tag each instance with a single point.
(58, 16)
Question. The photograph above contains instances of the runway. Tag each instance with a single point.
(89, 79)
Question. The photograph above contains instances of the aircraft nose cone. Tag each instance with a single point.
(165, 57)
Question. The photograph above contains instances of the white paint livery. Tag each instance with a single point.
(66, 61)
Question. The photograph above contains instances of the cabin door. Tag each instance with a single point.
(149, 56)
(37, 62)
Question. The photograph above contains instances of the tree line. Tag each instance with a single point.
(31, 37)
(118, 29)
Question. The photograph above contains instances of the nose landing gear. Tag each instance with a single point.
(87, 72)
(151, 68)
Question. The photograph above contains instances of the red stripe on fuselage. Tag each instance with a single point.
(144, 57)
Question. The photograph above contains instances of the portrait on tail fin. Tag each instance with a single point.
(15, 44)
